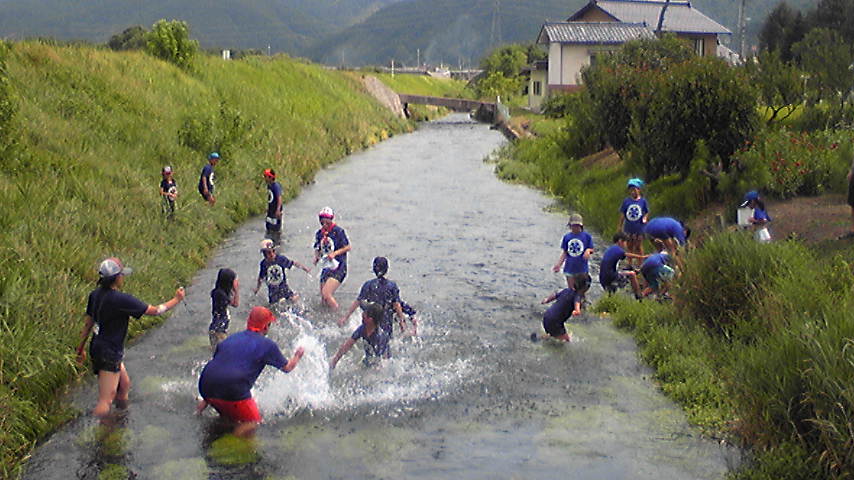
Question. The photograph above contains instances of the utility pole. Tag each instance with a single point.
(742, 27)
(496, 24)
(418, 55)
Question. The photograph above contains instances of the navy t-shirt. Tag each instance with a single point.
(111, 310)
(664, 228)
(236, 364)
(169, 187)
(562, 308)
(274, 192)
(207, 178)
(376, 345)
(384, 293)
(608, 268)
(273, 274)
(335, 240)
(633, 212)
(219, 310)
(759, 214)
(575, 244)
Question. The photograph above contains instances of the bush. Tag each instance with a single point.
(799, 163)
(132, 38)
(8, 108)
(170, 41)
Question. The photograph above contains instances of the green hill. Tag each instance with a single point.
(93, 129)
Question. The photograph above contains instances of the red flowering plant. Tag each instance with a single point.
(798, 163)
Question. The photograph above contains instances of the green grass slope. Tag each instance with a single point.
(94, 129)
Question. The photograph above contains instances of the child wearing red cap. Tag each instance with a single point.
(273, 222)
(226, 381)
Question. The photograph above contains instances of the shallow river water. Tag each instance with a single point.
(470, 397)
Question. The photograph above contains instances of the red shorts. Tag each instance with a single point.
(240, 411)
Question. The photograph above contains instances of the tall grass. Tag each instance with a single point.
(95, 128)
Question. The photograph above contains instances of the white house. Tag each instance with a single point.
(603, 26)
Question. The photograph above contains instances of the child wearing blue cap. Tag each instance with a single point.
(634, 214)
(760, 218)
(206, 179)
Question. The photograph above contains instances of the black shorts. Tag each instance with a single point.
(104, 358)
(851, 193)
(554, 327)
(616, 283)
(338, 274)
(279, 294)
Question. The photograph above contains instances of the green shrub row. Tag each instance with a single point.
(95, 127)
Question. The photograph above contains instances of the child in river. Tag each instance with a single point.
(611, 279)
(567, 304)
(226, 293)
(272, 272)
(576, 249)
(376, 339)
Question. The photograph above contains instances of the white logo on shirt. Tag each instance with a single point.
(275, 275)
(269, 196)
(575, 247)
(634, 212)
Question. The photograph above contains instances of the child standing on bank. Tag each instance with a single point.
(760, 218)
(634, 213)
(168, 192)
(226, 292)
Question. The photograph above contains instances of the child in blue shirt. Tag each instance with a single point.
(576, 249)
(376, 339)
(760, 218)
(226, 292)
(168, 192)
(634, 213)
(611, 279)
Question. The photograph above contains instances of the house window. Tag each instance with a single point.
(538, 88)
(700, 46)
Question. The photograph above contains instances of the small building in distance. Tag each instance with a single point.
(603, 26)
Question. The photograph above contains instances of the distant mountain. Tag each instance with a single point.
(455, 32)
(285, 25)
(349, 32)
(460, 32)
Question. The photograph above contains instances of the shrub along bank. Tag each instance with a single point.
(88, 133)
(758, 346)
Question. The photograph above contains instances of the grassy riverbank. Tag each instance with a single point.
(93, 130)
(759, 345)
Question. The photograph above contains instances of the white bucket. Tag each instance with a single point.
(744, 215)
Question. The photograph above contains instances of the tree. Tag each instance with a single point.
(507, 60)
(828, 59)
(132, 38)
(837, 15)
(700, 100)
(170, 41)
(779, 83)
(777, 31)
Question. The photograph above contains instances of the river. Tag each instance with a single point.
(469, 397)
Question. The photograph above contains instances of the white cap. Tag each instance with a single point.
(111, 267)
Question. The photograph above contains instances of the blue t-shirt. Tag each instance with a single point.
(220, 300)
(575, 245)
(665, 227)
(273, 274)
(653, 263)
(562, 308)
(384, 293)
(633, 212)
(111, 310)
(329, 243)
(376, 345)
(759, 214)
(207, 178)
(236, 364)
(608, 267)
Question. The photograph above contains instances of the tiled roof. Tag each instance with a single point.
(593, 32)
(680, 17)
